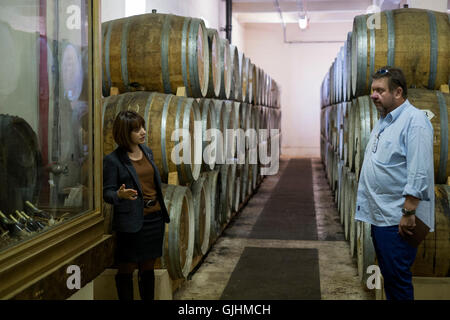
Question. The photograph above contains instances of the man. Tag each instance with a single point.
(396, 184)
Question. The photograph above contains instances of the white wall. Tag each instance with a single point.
(299, 69)
(208, 10)
(237, 35)
(112, 9)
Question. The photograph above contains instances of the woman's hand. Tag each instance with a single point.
(128, 194)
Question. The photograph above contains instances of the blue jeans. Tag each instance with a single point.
(395, 258)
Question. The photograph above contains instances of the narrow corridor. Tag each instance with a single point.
(286, 243)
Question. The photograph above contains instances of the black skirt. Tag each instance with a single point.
(143, 245)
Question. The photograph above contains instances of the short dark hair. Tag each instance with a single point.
(396, 78)
(124, 123)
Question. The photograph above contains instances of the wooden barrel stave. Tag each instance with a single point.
(201, 195)
(236, 88)
(214, 64)
(209, 122)
(366, 251)
(214, 185)
(225, 69)
(353, 189)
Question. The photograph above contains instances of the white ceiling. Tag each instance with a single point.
(319, 11)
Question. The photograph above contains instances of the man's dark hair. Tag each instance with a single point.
(395, 76)
(125, 122)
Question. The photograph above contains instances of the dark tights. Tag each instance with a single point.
(129, 267)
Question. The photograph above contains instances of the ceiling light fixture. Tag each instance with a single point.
(303, 19)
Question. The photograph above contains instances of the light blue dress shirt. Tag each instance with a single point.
(398, 161)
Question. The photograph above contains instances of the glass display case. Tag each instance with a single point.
(49, 134)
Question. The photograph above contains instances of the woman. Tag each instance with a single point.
(131, 182)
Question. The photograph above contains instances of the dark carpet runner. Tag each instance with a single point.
(289, 213)
(275, 274)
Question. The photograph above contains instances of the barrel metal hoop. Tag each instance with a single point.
(104, 58)
(119, 103)
(165, 54)
(147, 114)
(186, 114)
(124, 53)
(163, 136)
(221, 45)
(362, 54)
(442, 176)
(192, 55)
(433, 49)
(177, 119)
(222, 67)
(391, 38)
(183, 55)
(118, 109)
(372, 55)
(107, 52)
(173, 236)
(192, 174)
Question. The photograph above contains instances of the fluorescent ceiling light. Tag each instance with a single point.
(303, 21)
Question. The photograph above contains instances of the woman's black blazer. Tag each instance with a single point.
(118, 170)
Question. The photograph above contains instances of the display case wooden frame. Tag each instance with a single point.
(36, 269)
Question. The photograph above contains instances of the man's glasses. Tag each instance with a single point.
(375, 143)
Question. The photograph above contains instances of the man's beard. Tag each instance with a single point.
(383, 108)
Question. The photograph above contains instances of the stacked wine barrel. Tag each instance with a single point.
(418, 42)
(148, 58)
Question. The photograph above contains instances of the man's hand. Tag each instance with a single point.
(129, 194)
(407, 225)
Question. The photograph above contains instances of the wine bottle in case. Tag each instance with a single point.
(37, 212)
(39, 225)
(20, 224)
(13, 228)
(23, 221)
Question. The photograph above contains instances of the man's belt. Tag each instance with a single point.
(149, 203)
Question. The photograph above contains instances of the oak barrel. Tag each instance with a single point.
(365, 249)
(251, 82)
(180, 232)
(214, 64)
(215, 187)
(236, 88)
(423, 54)
(225, 69)
(20, 164)
(209, 124)
(156, 52)
(433, 254)
(201, 196)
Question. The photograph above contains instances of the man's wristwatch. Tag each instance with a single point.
(407, 212)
